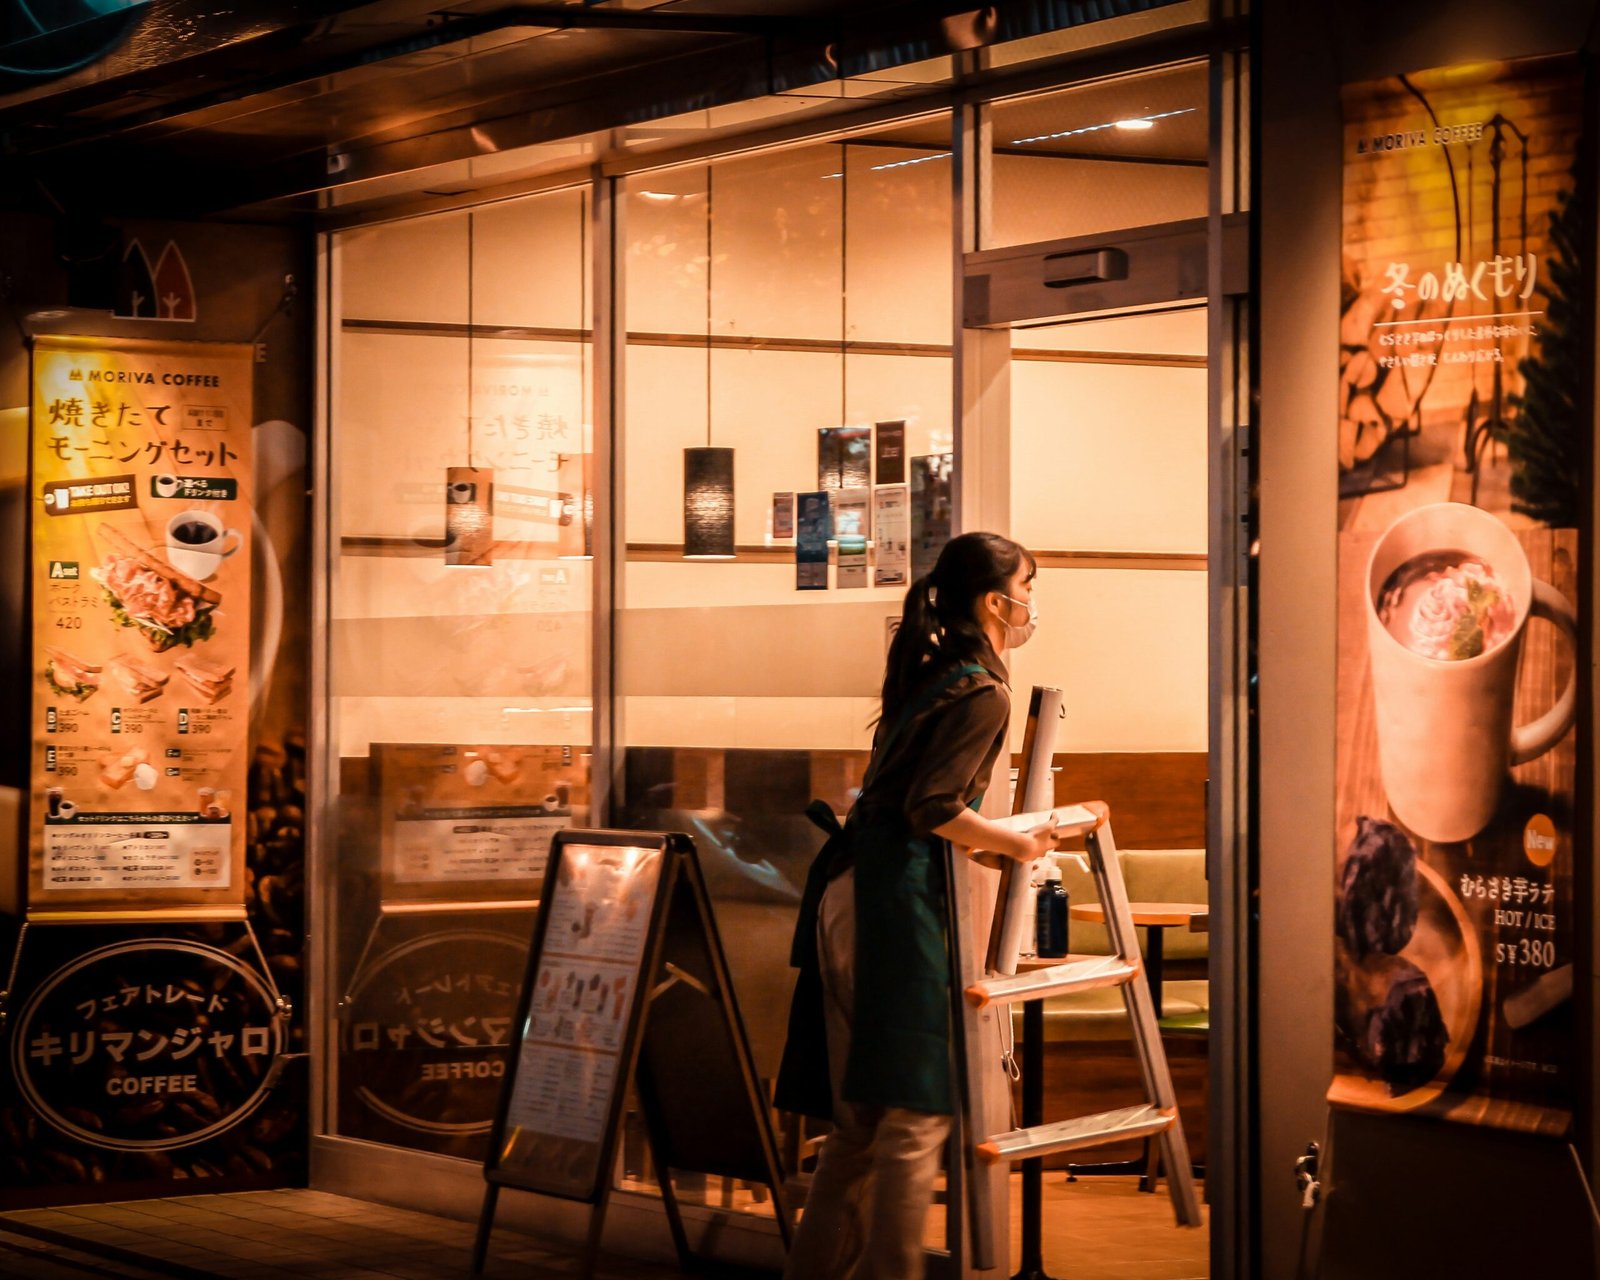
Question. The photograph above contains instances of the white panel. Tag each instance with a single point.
(413, 270)
(1048, 198)
(666, 252)
(419, 586)
(402, 414)
(669, 584)
(1128, 650)
(528, 262)
(1108, 457)
(913, 389)
(813, 724)
(777, 245)
(362, 721)
(1168, 333)
(899, 246)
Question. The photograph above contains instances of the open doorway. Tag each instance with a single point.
(1093, 374)
(1108, 487)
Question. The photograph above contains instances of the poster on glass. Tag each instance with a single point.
(1461, 423)
(141, 492)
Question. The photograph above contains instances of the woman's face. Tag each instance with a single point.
(1009, 608)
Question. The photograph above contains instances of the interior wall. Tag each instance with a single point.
(1401, 1198)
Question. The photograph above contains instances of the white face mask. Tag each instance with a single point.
(1017, 636)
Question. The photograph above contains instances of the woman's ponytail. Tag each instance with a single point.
(938, 622)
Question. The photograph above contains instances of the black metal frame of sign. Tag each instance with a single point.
(626, 979)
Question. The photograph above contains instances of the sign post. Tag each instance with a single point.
(626, 979)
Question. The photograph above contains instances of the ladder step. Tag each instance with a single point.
(1057, 979)
(1142, 1121)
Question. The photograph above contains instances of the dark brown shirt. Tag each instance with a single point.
(941, 760)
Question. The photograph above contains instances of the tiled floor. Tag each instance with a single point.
(270, 1235)
(1097, 1229)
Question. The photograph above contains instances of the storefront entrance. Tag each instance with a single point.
(783, 311)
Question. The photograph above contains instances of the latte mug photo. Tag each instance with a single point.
(1448, 597)
(198, 542)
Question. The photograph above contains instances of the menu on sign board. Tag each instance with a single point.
(1462, 422)
(455, 818)
(141, 519)
(569, 1062)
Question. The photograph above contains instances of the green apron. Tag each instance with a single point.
(900, 1026)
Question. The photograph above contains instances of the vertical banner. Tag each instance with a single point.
(142, 489)
(1461, 446)
(891, 525)
(811, 543)
(930, 510)
(891, 452)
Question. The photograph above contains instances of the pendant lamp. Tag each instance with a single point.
(708, 503)
(708, 469)
(469, 490)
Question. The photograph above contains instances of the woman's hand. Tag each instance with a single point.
(993, 845)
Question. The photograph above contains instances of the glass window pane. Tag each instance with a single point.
(460, 693)
(741, 698)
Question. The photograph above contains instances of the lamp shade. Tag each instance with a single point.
(708, 504)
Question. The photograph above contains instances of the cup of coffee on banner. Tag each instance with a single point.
(198, 542)
(165, 486)
(1449, 594)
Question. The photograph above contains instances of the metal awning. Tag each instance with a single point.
(209, 107)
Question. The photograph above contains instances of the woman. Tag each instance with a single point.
(874, 988)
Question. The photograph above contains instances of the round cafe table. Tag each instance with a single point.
(1156, 918)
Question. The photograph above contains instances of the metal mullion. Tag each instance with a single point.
(1228, 825)
(609, 543)
(322, 777)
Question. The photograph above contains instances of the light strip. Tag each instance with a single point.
(1096, 128)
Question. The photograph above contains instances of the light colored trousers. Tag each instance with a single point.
(868, 1205)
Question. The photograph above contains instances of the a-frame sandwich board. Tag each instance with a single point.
(627, 980)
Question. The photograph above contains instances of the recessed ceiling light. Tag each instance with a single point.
(660, 195)
(1136, 124)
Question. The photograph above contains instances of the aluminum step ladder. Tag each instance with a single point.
(1158, 1116)
(1000, 985)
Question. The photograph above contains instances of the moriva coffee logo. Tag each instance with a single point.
(149, 1045)
(426, 1030)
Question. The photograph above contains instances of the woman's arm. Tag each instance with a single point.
(979, 834)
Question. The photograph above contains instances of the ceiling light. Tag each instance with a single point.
(659, 195)
(1136, 124)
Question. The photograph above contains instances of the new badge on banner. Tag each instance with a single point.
(141, 514)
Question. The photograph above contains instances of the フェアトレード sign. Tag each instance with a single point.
(141, 514)
(1461, 442)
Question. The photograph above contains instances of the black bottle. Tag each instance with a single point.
(1051, 915)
